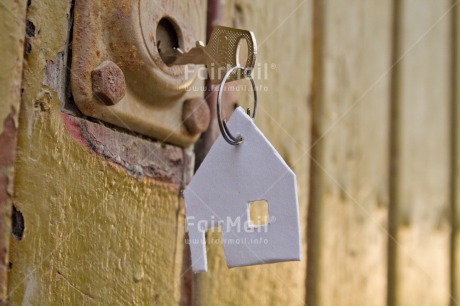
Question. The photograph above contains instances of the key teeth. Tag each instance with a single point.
(200, 44)
(179, 50)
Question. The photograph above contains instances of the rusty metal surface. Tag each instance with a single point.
(124, 32)
(108, 83)
(141, 158)
(196, 115)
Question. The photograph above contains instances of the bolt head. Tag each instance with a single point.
(196, 115)
(109, 84)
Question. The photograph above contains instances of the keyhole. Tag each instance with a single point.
(242, 52)
(167, 38)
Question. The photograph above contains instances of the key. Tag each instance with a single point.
(219, 55)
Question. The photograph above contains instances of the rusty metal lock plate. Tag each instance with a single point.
(117, 72)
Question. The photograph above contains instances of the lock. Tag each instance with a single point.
(118, 74)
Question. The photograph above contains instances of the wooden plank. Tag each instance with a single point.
(12, 23)
(94, 232)
(349, 186)
(421, 155)
(455, 174)
(283, 34)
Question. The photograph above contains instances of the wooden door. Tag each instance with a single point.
(98, 213)
(359, 97)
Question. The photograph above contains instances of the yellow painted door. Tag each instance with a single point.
(359, 97)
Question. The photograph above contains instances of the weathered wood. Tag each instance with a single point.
(12, 25)
(349, 193)
(455, 171)
(94, 233)
(420, 250)
(283, 115)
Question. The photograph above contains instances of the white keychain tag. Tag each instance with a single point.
(228, 182)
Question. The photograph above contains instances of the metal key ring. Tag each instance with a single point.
(222, 123)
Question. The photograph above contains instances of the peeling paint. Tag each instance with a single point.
(141, 158)
(8, 139)
(18, 224)
(12, 17)
(55, 72)
(97, 203)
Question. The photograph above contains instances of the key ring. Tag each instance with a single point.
(222, 123)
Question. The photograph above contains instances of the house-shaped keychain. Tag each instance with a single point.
(228, 182)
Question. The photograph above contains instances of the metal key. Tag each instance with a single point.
(219, 55)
